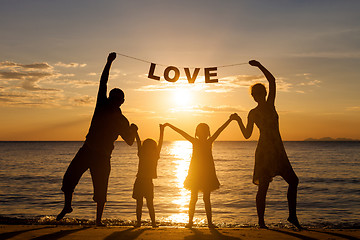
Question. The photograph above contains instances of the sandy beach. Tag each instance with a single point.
(112, 233)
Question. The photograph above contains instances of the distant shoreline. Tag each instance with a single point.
(330, 139)
(305, 140)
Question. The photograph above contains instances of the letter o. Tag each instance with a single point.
(176, 76)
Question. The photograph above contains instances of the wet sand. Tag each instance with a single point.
(77, 232)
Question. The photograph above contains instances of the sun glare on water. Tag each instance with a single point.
(181, 150)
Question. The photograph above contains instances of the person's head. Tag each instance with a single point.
(258, 91)
(149, 147)
(116, 97)
(202, 131)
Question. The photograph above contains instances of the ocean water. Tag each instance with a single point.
(329, 190)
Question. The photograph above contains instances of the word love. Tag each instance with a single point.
(209, 73)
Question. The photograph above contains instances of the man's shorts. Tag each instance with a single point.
(143, 188)
(99, 166)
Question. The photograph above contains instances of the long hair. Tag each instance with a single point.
(149, 148)
(202, 128)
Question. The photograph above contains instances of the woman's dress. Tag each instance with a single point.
(270, 156)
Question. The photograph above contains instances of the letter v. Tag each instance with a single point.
(191, 79)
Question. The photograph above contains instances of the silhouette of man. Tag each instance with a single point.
(106, 125)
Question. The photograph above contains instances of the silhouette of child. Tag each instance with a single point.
(201, 174)
(149, 154)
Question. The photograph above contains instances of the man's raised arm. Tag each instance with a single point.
(102, 94)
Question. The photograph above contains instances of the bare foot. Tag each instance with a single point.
(154, 225)
(189, 225)
(263, 226)
(212, 226)
(295, 222)
(100, 224)
(63, 213)
(137, 225)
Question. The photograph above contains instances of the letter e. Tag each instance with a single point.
(208, 74)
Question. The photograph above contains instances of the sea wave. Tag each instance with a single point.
(51, 220)
(32, 172)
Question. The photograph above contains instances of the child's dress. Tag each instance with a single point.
(202, 175)
(143, 186)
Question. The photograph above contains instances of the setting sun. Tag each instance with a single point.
(182, 96)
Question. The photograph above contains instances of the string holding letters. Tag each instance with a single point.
(209, 72)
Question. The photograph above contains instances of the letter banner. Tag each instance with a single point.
(172, 73)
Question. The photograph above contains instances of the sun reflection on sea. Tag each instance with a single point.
(181, 152)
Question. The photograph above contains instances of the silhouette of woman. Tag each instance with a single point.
(270, 156)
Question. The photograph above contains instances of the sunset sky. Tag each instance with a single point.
(53, 52)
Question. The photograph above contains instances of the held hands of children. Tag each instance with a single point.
(235, 117)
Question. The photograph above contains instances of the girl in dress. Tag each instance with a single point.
(270, 156)
(201, 175)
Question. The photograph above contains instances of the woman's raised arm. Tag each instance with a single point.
(270, 78)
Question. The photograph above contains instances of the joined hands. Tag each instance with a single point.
(134, 127)
(235, 117)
